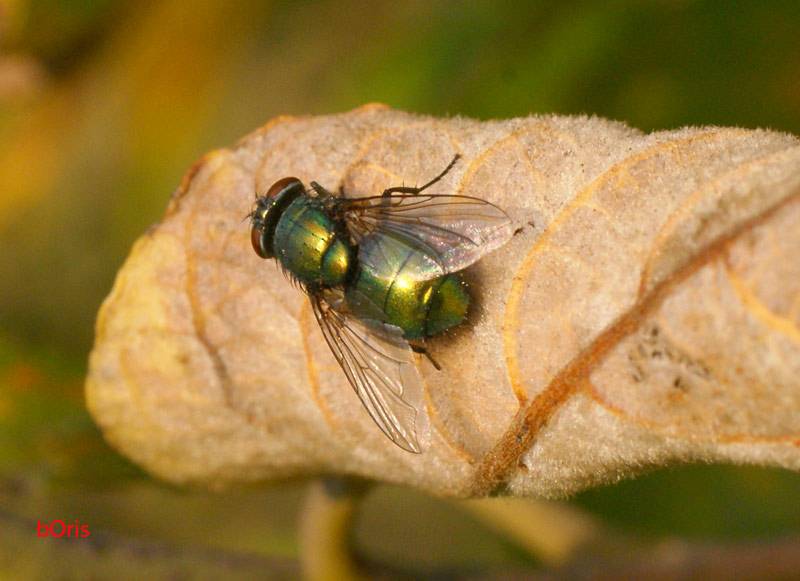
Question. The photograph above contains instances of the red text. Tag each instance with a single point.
(58, 528)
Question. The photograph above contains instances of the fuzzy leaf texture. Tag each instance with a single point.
(646, 314)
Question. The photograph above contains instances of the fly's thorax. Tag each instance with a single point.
(309, 244)
(398, 296)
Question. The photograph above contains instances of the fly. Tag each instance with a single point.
(383, 274)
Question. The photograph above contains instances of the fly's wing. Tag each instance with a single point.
(454, 230)
(390, 257)
(379, 364)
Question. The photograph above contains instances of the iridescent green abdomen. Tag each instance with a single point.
(391, 290)
(308, 245)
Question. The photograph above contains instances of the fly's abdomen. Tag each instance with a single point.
(448, 304)
(308, 246)
(396, 295)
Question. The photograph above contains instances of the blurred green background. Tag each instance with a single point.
(104, 104)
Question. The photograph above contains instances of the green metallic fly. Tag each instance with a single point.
(382, 273)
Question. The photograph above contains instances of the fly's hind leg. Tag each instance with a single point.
(422, 350)
(418, 189)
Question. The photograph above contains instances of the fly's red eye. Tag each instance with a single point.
(256, 236)
(281, 185)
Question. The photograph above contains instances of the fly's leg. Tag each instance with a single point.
(319, 191)
(326, 197)
(422, 350)
(416, 190)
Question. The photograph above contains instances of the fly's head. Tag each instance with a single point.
(267, 212)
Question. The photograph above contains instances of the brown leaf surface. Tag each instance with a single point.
(648, 313)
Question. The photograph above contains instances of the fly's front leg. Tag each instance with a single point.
(416, 190)
(324, 196)
(321, 192)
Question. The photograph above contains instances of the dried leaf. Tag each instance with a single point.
(646, 314)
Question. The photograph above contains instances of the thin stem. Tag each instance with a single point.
(325, 526)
